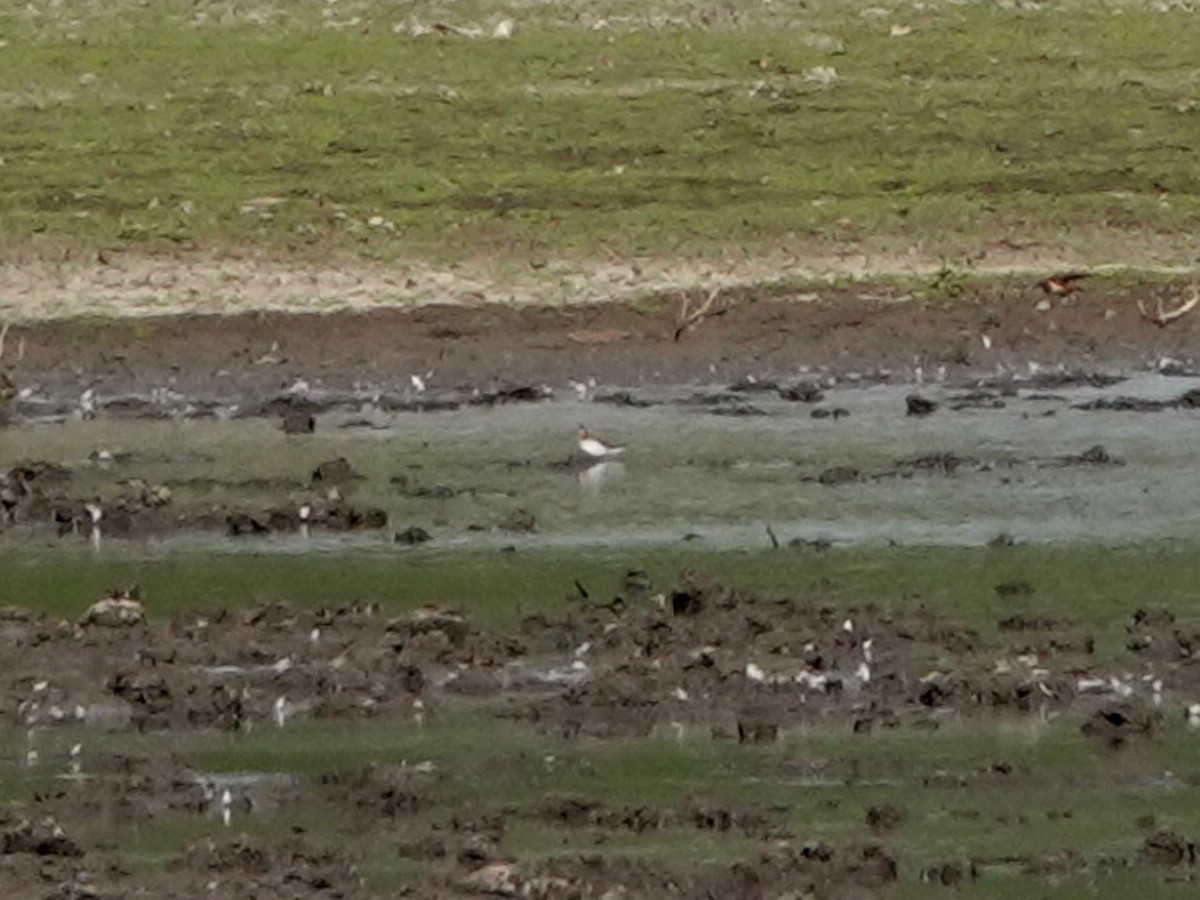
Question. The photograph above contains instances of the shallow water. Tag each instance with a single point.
(687, 472)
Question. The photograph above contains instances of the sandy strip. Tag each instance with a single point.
(131, 285)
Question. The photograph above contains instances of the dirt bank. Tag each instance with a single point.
(763, 332)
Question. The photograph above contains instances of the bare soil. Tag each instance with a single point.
(763, 332)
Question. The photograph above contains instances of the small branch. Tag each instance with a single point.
(774, 540)
(1162, 317)
(3, 335)
(685, 321)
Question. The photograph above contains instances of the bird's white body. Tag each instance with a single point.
(590, 445)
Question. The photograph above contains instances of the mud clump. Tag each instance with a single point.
(32, 491)
(782, 868)
(836, 475)
(802, 392)
(696, 660)
(1167, 849)
(382, 792)
(412, 536)
(45, 838)
(333, 515)
(522, 393)
(949, 874)
(38, 859)
(230, 671)
(519, 521)
(1119, 725)
(121, 609)
(1156, 636)
(8, 393)
(916, 405)
(39, 494)
(334, 472)
(757, 728)
(245, 869)
(298, 421)
(884, 818)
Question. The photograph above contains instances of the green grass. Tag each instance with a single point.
(145, 130)
(1096, 587)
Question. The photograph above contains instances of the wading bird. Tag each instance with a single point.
(592, 446)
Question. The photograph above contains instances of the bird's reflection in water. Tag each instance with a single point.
(594, 476)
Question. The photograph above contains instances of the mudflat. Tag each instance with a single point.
(894, 329)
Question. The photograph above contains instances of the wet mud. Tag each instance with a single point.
(38, 493)
(695, 658)
(495, 354)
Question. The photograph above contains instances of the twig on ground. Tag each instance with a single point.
(685, 321)
(1162, 317)
(774, 540)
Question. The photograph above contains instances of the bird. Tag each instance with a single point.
(94, 512)
(1061, 285)
(87, 404)
(592, 446)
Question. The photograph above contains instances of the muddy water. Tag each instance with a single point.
(715, 465)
